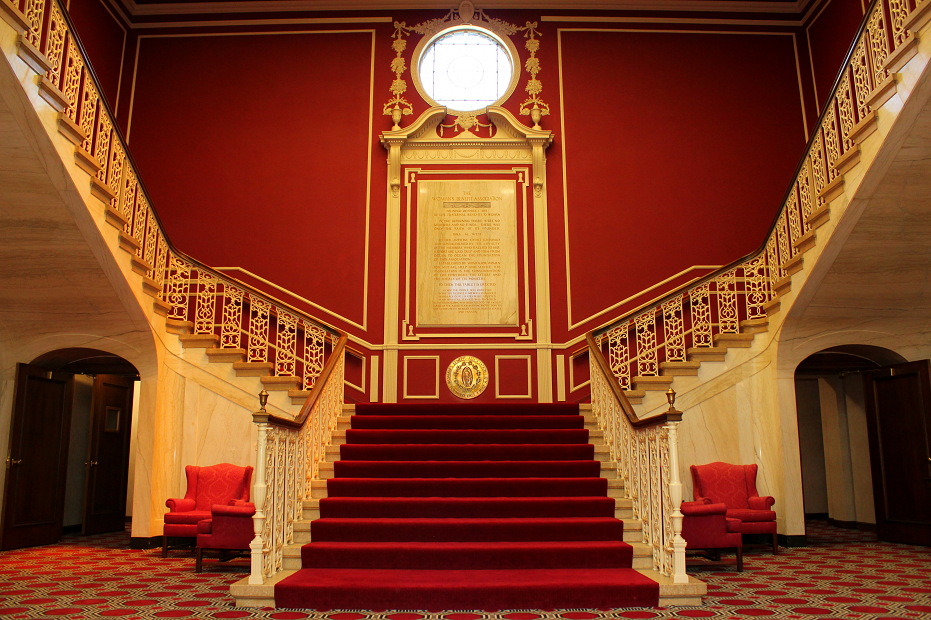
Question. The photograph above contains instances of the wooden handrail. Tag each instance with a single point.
(314, 395)
(670, 416)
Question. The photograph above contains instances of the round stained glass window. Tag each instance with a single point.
(465, 69)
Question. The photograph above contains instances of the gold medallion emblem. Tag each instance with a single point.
(467, 377)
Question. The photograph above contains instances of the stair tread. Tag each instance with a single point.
(466, 589)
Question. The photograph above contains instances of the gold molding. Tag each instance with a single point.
(410, 331)
(361, 356)
(572, 386)
(498, 395)
(368, 171)
(435, 358)
(270, 6)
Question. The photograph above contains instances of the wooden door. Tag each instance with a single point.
(37, 462)
(108, 460)
(898, 406)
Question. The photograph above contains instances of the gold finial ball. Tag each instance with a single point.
(263, 398)
(671, 397)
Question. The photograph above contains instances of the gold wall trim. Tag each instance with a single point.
(524, 329)
(709, 6)
(436, 395)
(572, 386)
(271, 21)
(361, 356)
(565, 150)
(498, 394)
(368, 170)
(789, 23)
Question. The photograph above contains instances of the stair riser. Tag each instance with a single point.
(518, 487)
(435, 508)
(417, 436)
(466, 422)
(471, 530)
(436, 557)
(467, 469)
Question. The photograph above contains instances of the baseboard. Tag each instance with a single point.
(794, 540)
(71, 529)
(816, 516)
(154, 542)
(853, 525)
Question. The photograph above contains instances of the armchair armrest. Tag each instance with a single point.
(761, 503)
(180, 505)
(245, 509)
(240, 502)
(701, 509)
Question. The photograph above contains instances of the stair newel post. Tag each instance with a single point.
(257, 546)
(675, 489)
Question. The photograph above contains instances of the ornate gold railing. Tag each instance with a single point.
(272, 337)
(647, 456)
(288, 457)
(699, 315)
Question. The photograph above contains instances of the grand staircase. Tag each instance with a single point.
(467, 507)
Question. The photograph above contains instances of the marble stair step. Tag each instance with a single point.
(707, 354)
(635, 397)
(754, 326)
(742, 341)
(652, 384)
(679, 369)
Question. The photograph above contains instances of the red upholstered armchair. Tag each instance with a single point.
(229, 529)
(735, 487)
(206, 486)
(706, 527)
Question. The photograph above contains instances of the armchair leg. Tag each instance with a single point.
(164, 546)
(775, 544)
(740, 559)
(198, 559)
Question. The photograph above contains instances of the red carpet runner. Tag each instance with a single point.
(478, 507)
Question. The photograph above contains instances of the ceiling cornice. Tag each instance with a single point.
(280, 6)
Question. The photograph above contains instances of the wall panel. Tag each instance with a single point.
(256, 151)
(677, 146)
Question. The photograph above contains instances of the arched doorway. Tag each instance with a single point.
(68, 465)
(863, 416)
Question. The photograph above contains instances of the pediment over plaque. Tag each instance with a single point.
(512, 142)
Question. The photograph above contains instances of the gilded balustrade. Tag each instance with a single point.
(288, 457)
(646, 455)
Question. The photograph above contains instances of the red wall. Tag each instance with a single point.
(830, 32)
(103, 35)
(256, 149)
(679, 156)
(255, 152)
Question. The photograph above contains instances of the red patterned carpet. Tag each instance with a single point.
(841, 574)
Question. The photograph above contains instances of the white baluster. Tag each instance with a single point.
(675, 493)
(257, 545)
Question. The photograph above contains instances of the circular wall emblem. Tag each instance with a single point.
(467, 377)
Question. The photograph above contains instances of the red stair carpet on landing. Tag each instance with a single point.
(443, 507)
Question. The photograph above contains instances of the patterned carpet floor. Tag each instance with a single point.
(842, 574)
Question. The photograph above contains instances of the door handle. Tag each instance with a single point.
(10, 461)
(90, 463)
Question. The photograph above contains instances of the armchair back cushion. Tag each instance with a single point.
(724, 483)
(217, 484)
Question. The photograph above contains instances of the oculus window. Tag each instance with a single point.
(466, 69)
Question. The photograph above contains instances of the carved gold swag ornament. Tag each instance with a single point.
(398, 106)
(467, 377)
